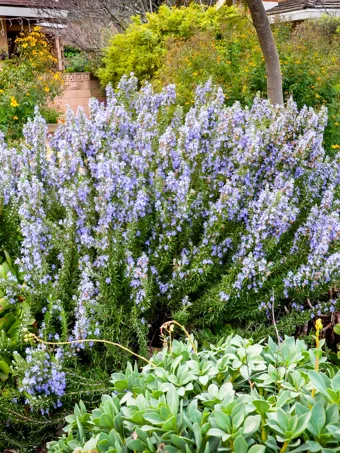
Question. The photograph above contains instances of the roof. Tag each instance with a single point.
(27, 3)
(32, 9)
(288, 6)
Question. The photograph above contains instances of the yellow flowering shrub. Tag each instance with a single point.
(143, 46)
(28, 78)
(231, 56)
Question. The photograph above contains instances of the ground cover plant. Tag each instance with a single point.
(237, 396)
(221, 218)
(223, 45)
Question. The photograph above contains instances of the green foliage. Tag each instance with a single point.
(337, 332)
(14, 316)
(9, 229)
(78, 63)
(236, 396)
(142, 48)
(70, 51)
(50, 115)
(77, 60)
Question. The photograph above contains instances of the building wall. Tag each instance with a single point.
(79, 89)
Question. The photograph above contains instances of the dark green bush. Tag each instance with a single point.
(77, 60)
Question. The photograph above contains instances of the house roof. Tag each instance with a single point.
(27, 3)
(289, 6)
(35, 9)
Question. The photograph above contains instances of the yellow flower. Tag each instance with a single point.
(25, 45)
(46, 89)
(318, 324)
(27, 94)
(15, 117)
(336, 146)
(1, 91)
(14, 102)
(337, 124)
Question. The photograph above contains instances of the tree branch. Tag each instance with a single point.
(269, 51)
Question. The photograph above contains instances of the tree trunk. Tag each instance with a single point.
(271, 57)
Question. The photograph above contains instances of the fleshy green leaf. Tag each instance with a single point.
(172, 399)
(240, 445)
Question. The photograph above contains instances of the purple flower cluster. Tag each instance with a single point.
(43, 375)
(10, 171)
(328, 307)
(321, 231)
(138, 277)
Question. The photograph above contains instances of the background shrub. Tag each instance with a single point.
(77, 60)
(27, 79)
(142, 47)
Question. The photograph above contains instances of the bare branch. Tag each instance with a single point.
(90, 23)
